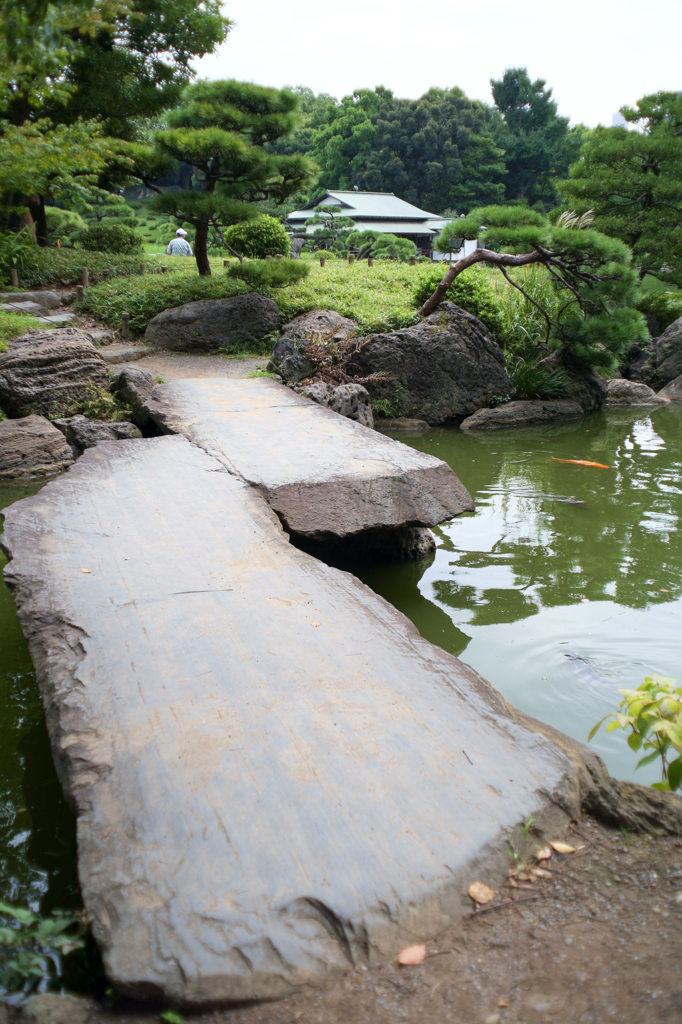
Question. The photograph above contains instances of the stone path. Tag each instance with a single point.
(276, 777)
(180, 366)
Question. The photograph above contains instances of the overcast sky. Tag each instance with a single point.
(597, 55)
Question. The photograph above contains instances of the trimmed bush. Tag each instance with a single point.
(269, 273)
(111, 237)
(144, 297)
(471, 291)
(64, 224)
(259, 238)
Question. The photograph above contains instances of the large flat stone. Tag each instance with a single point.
(323, 474)
(276, 778)
(523, 413)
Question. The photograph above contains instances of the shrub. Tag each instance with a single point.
(64, 224)
(381, 246)
(144, 297)
(63, 266)
(471, 291)
(663, 307)
(269, 273)
(108, 237)
(535, 382)
(259, 238)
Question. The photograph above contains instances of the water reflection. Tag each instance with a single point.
(560, 560)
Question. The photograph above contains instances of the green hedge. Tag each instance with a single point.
(259, 238)
(63, 266)
(111, 238)
(144, 297)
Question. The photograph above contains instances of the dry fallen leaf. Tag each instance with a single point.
(562, 847)
(314, 623)
(86, 570)
(541, 873)
(502, 1002)
(481, 893)
(544, 854)
(411, 956)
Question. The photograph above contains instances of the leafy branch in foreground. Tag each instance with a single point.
(31, 950)
(592, 275)
(653, 715)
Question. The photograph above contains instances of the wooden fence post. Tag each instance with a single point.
(125, 320)
(14, 277)
(351, 257)
(370, 261)
(322, 261)
(79, 293)
(143, 268)
(85, 281)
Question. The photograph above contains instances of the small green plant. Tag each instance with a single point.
(12, 325)
(172, 1017)
(260, 372)
(16, 253)
(31, 950)
(535, 382)
(99, 404)
(519, 857)
(393, 406)
(260, 274)
(652, 714)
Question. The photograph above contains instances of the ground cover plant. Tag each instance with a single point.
(263, 274)
(14, 324)
(38, 266)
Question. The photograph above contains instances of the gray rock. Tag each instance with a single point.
(673, 390)
(585, 386)
(321, 325)
(134, 386)
(83, 433)
(27, 308)
(46, 371)
(290, 360)
(318, 392)
(211, 324)
(444, 368)
(622, 393)
(31, 447)
(523, 414)
(46, 300)
(50, 1008)
(324, 475)
(668, 353)
(265, 757)
(352, 401)
(114, 354)
(99, 336)
(57, 319)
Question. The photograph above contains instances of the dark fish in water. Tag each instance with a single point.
(590, 674)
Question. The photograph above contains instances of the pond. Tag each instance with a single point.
(564, 585)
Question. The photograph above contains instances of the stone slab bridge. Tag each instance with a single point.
(275, 777)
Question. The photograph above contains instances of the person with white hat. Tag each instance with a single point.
(179, 246)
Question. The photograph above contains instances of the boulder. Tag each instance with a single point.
(45, 300)
(353, 402)
(402, 423)
(318, 392)
(82, 433)
(673, 390)
(133, 386)
(321, 325)
(51, 1008)
(100, 336)
(290, 360)
(585, 386)
(30, 447)
(523, 414)
(667, 357)
(211, 324)
(46, 371)
(622, 393)
(444, 368)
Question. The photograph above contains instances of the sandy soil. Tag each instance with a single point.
(600, 940)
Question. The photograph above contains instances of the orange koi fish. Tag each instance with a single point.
(581, 462)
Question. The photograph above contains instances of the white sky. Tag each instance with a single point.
(597, 55)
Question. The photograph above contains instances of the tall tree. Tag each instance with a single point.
(538, 144)
(221, 129)
(632, 179)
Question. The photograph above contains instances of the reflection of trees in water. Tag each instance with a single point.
(621, 542)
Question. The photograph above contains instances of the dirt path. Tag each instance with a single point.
(178, 365)
(600, 940)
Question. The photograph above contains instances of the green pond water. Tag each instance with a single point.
(564, 585)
